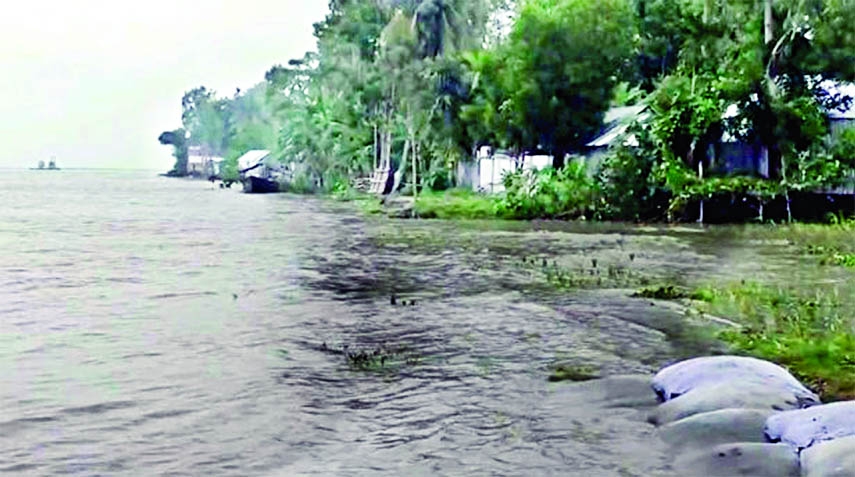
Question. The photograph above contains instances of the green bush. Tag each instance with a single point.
(842, 149)
(302, 183)
(549, 194)
(628, 188)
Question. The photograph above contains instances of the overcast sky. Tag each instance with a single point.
(94, 82)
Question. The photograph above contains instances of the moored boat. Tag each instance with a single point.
(260, 185)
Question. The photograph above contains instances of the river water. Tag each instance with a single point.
(151, 326)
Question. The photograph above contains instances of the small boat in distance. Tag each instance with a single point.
(50, 167)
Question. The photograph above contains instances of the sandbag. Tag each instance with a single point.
(616, 391)
(805, 427)
(725, 395)
(732, 460)
(709, 429)
(682, 377)
(830, 459)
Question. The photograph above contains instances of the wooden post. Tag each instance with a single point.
(701, 176)
(492, 172)
(415, 168)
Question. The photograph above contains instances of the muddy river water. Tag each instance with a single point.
(161, 327)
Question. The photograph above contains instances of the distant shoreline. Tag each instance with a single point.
(64, 168)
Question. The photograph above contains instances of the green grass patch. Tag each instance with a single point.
(809, 333)
(456, 204)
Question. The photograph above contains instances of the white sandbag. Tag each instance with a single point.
(709, 429)
(613, 391)
(830, 459)
(684, 376)
(725, 395)
(802, 428)
(733, 460)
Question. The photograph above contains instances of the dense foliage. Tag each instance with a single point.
(417, 85)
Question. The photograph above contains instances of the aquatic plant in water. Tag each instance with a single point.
(382, 357)
(569, 372)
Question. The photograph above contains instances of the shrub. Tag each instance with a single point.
(549, 193)
(628, 188)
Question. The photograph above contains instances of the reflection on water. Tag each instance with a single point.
(158, 324)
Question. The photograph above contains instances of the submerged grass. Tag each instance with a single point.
(831, 243)
(569, 372)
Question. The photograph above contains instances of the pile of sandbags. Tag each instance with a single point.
(730, 416)
(823, 435)
(714, 383)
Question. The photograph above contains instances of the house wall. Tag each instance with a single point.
(742, 158)
(594, 158)
(492, 170)
(468, 174)
(838, 125)
(203, 166)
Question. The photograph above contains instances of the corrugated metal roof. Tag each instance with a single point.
(847, 89)
(616, 123)
(252, 158)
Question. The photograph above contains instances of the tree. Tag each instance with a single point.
(564, 55)
(177, 139)
(206, 118)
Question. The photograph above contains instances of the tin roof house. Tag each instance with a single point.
(202, 163)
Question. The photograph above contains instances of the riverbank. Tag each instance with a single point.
(802, 324)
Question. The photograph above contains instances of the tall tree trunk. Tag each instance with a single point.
(376, 147)
(399, 173)
(769, 39)
(415, 169)
(768, 23)
(701, 176)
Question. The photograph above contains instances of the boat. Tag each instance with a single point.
(260, 185)
(50, 167)
(262, 174)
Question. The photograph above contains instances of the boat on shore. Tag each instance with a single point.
(260, 173)
(260, 185)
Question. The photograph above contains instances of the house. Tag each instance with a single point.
(616, 123)
(201, 163)
(731, 155)
(843, 118)
(487, 172)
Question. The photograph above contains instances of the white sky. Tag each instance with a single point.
(94, 82)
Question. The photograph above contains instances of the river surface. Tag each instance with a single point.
(151, 326)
